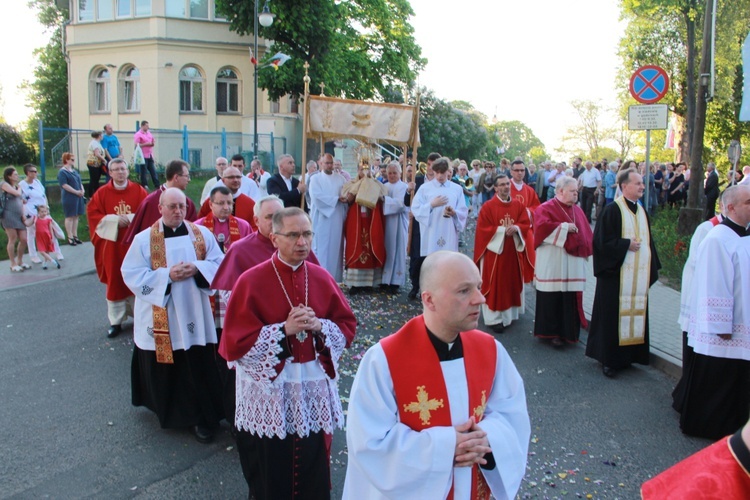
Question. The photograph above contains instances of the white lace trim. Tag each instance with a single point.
(301, 400)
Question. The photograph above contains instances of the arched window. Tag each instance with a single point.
(130, 90)
(99, 90)
(191, 90)
(227, 91)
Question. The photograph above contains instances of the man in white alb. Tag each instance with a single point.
(328, 213)
(396, 228)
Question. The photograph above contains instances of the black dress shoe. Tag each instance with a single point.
(114, 331)
(354, 290)
(499, 328)
(413, 293)
(608, 371)
(203, 434)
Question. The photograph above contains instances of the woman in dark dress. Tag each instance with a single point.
(676, 185)
(71, 190)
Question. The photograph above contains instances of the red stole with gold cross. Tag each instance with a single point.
(421, 394)
(234, 228)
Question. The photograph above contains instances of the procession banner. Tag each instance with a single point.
(369, 121)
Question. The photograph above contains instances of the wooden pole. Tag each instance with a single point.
(415, 162)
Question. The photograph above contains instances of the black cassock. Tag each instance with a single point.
(610, 250)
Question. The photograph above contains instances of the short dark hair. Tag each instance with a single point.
(144, 122)
(96, 133)
(517, 162)
(238, 157)
(433, 156)
(27, 167)
(440, 165)
(220, 190)
(174, 168)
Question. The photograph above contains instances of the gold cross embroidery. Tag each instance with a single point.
(507, 221)
(423, 405)
(479, 410)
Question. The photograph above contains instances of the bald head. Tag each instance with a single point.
(737, 204)
(172, 207)
(451, 294)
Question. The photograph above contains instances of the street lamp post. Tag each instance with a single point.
(266, 19)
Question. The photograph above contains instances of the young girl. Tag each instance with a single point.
(46, 229)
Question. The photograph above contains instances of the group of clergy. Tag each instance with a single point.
(519, 241)
(360, 225)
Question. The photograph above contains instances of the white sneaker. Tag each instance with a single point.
(36, 260)
(60, 257)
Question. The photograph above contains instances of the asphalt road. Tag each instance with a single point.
(71, 432)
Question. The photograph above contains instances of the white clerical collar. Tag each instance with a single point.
(221, 220)
(504, 201)
(120, 187)
(518, 185)
(294, 268)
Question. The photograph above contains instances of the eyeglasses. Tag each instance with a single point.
(175, 206)
(517, 170)
(295, 235)
(232, 177)
(32, 171)
(121, 169)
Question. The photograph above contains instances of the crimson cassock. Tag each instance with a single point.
(365, 237)
(148, 213)
(108, 255)
(502, 274)
(243, 208)
(277, 460)
(244, 254)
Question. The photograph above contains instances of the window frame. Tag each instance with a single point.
(125, 80)
(96, 83)
(229, 82)
(191, 82)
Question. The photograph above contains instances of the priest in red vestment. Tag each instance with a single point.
(500, 252)
(243, 207)
(284, 340)
(564, 242)
(364, 250)
(721, 470)
(112, 207)
(178, 176)
(524, 193)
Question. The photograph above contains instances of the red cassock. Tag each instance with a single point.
(253, 306)
(108, 255)
(502, 275)
(148, 213)
(244, 254)
(718, 471)
(528, 198)
(365, 237)
(243, 208)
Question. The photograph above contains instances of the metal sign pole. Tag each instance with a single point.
(647, 172)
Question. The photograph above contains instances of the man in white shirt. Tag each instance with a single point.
(590, 181)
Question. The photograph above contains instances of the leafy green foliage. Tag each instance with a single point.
(360, 49)
(13, 149)
(515, 139)
(450, 131)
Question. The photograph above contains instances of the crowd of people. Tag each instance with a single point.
(240, 311)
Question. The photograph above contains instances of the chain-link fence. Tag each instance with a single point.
(199, 149)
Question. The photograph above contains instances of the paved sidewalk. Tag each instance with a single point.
(664, 332)
(77, 260)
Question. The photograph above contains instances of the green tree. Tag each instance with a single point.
(513, 138)
(13, 149)
(48, 92)
(360, 49)
(449, 131)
